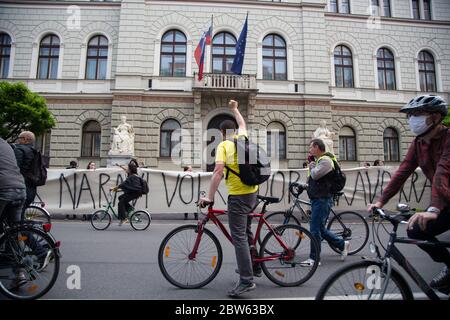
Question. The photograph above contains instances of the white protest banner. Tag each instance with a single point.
(73, 191)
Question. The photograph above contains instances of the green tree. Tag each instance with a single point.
(446, 121)
(21, 109)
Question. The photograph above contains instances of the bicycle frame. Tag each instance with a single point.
(297, 202)
(212, 215)
(110, 207)
(394, 252)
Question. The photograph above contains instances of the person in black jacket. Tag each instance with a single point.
(25, 154)
(321, 166)
(132, 189)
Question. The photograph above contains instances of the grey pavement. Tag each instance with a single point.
(121, 263)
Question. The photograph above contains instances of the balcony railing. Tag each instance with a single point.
(225, 81)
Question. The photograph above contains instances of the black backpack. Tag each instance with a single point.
(37, 176)
(338, 178)
(144, 187)
(254, 165)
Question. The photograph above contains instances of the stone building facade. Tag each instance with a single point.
(407, 42)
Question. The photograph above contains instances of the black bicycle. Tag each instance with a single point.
(377, 279)
(349, 225)
(29, 260)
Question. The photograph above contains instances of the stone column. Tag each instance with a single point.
(198, 131)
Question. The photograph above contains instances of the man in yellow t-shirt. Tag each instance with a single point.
(241, 201)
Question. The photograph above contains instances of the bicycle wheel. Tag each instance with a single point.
(289, 269)
(29, 263)
(101, 219)
(352, 227)
(363, 280)
(37, 213)
(275, 219)
(178, 268)
(140, 220)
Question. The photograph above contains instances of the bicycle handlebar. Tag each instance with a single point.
(394, 219)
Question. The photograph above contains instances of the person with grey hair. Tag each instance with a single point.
(25, 153)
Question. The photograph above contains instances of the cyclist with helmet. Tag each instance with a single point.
(430, 151)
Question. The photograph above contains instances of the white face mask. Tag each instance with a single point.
(418, 124)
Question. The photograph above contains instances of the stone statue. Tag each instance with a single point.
(123, 139)
(325, 135)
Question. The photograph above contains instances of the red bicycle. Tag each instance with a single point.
(190, 256)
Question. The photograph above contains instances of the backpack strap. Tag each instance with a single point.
(227, 167)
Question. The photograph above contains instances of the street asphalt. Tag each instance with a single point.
(120, 263)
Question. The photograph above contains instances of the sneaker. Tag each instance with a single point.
(257, 272)
(441, 281)
(18, 281)
(121, 222)
(308, 263)
(344, 253)
(240, 288)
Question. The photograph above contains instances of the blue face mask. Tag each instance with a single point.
(418, 124)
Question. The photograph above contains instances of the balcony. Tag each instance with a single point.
(219, 82)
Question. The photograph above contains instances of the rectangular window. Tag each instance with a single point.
(387, 8)
(267, 69)
(347, 150)
(415, 9)
(91, 144)
(426, 9)
(333, 6)
(165, 144)
(344, 6)
(375, 8)
(4, 68)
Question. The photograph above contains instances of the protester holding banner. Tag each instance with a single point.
(430, 151)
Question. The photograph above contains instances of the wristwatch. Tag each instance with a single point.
(433, 210)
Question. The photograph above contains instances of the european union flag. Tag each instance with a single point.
(240, 50)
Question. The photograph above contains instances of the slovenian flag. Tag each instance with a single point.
(199, 53)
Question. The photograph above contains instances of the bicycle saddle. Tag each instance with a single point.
(269, 199)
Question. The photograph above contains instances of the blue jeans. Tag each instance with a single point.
(320, 209)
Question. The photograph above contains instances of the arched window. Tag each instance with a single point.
(173, 54)
(343, 67)
(427, 73)
(5, 54)
(276, 140)
(347, 144)
(391, 145)
(386, 69)
(91, 138)
(223, 52)
(274, 58)
(97, 58)
(167, 143)
(48, 57)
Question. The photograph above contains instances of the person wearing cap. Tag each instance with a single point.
(430, 151)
